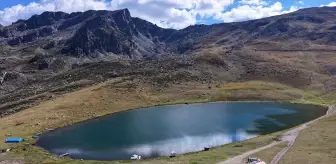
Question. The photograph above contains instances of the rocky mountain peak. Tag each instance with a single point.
(45, 19)
(104, 32)
(124, 14)
(115, 32)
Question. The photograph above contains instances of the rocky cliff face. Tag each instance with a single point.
(100, 33)
(90, 34)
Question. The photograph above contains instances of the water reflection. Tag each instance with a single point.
(157, 131)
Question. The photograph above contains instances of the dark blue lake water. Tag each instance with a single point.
(156, 131)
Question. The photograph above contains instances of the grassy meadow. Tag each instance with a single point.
(119, 95)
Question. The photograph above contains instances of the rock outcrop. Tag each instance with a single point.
(104, 33)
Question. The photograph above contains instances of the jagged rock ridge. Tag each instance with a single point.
(96, 33)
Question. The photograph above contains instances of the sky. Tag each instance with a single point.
(175, 14)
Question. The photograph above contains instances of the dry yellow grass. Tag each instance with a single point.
(316, 144)
(118, 95)
(257, 90)
(268, 154)
(104, 99)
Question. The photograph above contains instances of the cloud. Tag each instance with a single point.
(11, 14)
(253, 2)
(173, 13)
(208, 8)
(331, 4)
(165, 13)
(247, 12)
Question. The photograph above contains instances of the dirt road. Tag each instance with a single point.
(240, 158)
(289, 137)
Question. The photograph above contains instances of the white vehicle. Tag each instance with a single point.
(173, 154)
(255, 161)
(136, 157)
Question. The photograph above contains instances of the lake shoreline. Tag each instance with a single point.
(185, 103)
(172, 104)
(88, 103)
(180, 104)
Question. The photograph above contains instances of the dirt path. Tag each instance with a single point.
(289, 137)
(240, 158)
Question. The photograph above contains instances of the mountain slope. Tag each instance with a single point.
(116, 32)
(87, 34)
(56, 49)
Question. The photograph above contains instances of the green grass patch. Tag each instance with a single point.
(36, 155)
